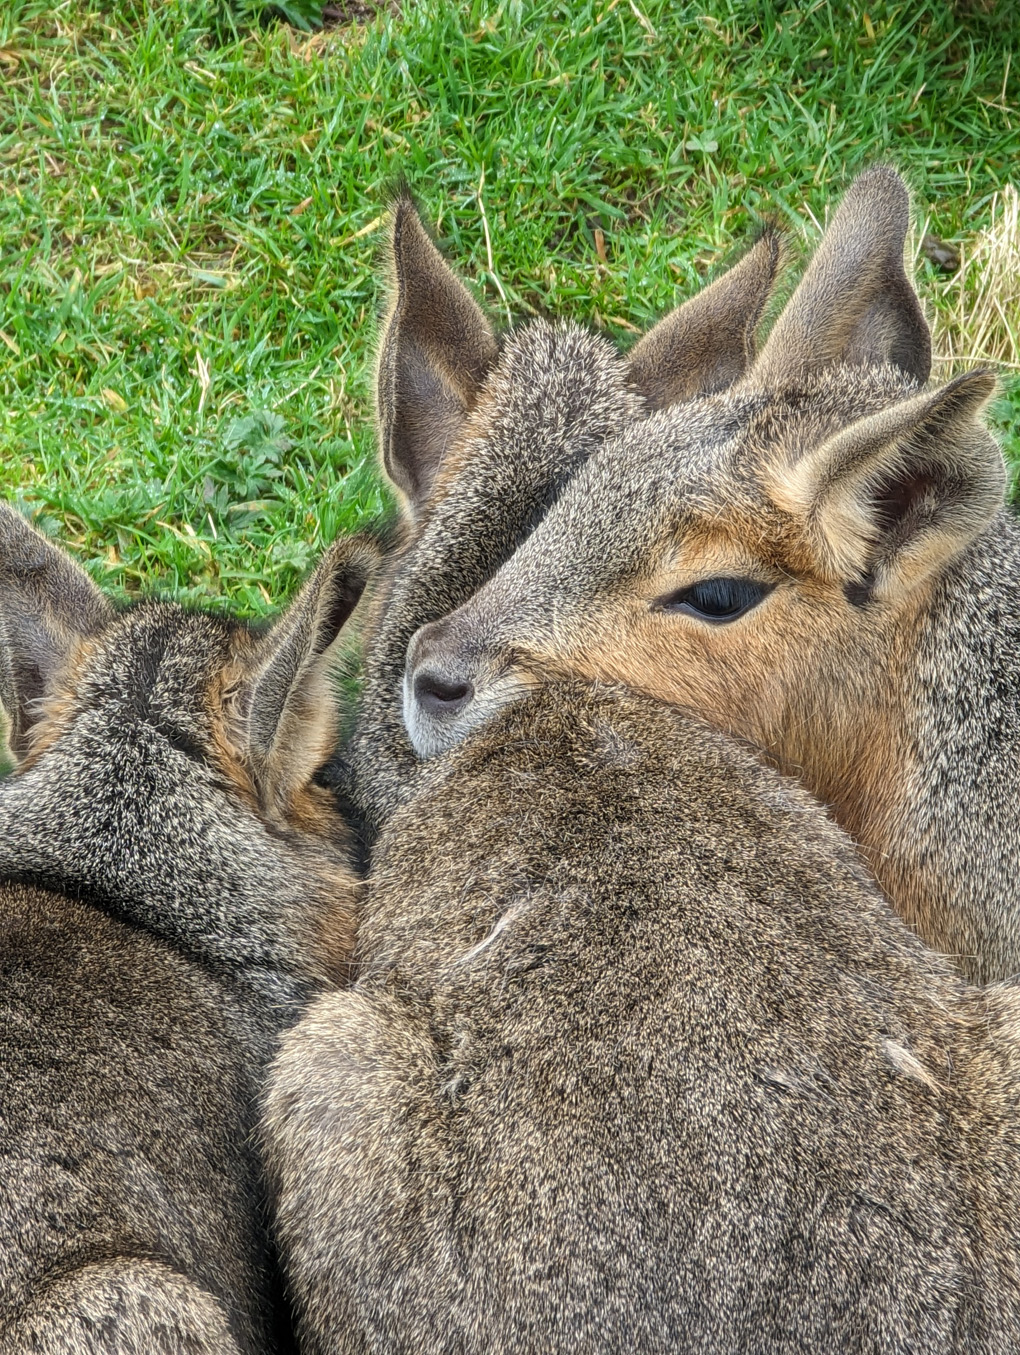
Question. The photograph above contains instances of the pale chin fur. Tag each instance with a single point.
(421, 730)
(430, 736)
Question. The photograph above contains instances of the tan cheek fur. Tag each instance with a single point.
(813, 681)
(59, 706)
(326, 935)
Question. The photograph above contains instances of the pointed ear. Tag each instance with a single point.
(48, 605)
(894, 497)
(436, 350)
(854, 303)
(290, 707)
(708, 342)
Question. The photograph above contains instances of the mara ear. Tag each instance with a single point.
(707, 343)
(436, 350)
(48, 605)
(290, 711)
(891, 499)
(854, 303)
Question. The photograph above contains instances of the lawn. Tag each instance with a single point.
(190, 222)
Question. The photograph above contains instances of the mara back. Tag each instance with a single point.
(130, 1196)
(818, 560)
(172, 885)
(479, 433)
(639, 1060)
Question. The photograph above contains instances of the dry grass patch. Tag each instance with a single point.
(977, 310)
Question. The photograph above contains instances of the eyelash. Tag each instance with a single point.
(716, 600)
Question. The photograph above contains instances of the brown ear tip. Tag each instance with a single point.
(881, 181)
(407, 228)
(359, 555)
(982, 384)
(774, 243)
(402, 206)
(398, 194)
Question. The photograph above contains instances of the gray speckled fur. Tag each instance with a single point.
(638, 1060)
(555, 395)
(962, 820)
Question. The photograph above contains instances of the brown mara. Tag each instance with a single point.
(480, 434)
(172, 887)
(817, 559)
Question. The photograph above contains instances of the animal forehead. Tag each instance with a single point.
(160, 652)
(585, 549)
(716, 453)
(670, 469)
(680, 491)
(556, 394)
(553, 380)
(783, 425)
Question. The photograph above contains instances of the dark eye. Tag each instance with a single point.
(715, 599)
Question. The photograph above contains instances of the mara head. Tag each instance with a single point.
(764, 554)
(480, 433)
(131, 726)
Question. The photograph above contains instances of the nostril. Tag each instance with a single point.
(440, 697)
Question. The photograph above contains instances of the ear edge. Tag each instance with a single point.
(775, 251)
(48, 605)
(438, 343)
(669, 363)
(856, 489)
(303, 715)
(352, 563)
(858, 265)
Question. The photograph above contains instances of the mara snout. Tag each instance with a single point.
(455, 681)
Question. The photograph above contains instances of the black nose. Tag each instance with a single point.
(440, 697)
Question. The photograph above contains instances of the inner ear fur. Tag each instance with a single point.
(48, 606)
(437, 347)
(895, 496)
(707, 343)
(290, 704)
(855, 303)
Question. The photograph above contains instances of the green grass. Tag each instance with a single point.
(190, 220)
